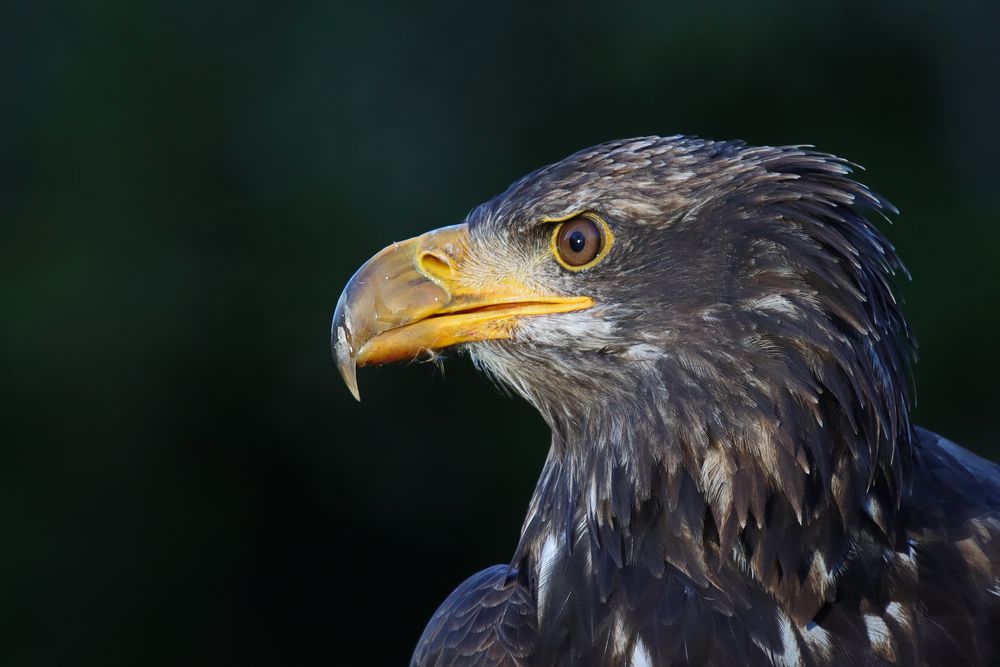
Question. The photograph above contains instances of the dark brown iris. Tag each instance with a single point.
(579, 241)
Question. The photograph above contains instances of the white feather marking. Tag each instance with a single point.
(880, 637)
(878, 631)
(900, 613)
(546, 562)
(577, 326)
(775, 303)
(819, 641)
(640, 656)
(643, 352)
(716, 476)
(790, 655)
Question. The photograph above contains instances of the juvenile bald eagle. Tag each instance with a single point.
(711, 333)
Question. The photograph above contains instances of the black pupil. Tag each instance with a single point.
(577, 241)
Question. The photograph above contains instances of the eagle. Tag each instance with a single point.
(711, 332)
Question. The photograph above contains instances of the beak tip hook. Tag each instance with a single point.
(343, 353)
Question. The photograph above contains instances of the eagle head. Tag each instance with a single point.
(683, 313)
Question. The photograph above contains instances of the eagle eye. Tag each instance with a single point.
(581, 241)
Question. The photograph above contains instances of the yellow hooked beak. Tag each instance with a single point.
(418, 296)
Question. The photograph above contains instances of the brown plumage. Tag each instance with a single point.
(734, 477)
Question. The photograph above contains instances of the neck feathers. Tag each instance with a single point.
(769, 488)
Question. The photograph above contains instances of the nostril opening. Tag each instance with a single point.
(434, 265)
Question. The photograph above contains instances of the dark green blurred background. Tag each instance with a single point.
(185, 187)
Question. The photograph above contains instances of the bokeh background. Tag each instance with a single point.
(185, 187)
